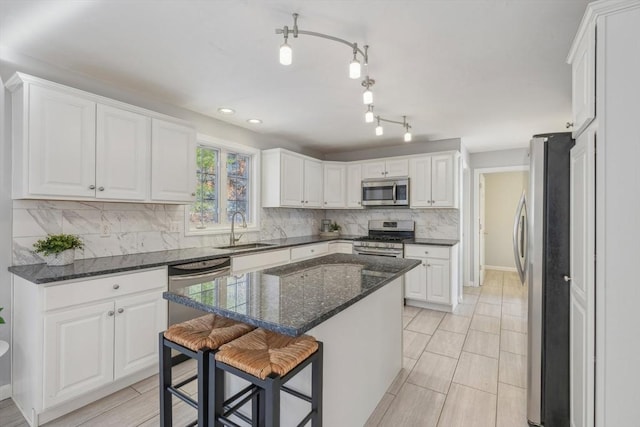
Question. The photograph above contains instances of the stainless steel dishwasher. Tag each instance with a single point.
(190, 274)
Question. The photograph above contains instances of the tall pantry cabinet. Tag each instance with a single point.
(605, 206)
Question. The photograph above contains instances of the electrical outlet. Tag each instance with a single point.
(174, 227)
(105, 229)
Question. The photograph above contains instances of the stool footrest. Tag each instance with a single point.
(296, 393)
(306, 419)
(185, 382)
(192, 424)
(227, 422)
(238, 405)
(235, 397)
(180, 395)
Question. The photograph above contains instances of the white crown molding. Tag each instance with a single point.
(593, 11)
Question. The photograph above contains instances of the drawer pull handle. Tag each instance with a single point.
(92, 187)
(426, 252)
(313, 250)
(100, 188)
(110, 313)
(116, 286)
(121, 310)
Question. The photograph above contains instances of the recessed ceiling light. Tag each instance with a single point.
(254, 121)
(225, 110)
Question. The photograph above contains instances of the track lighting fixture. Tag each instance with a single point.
(355, 71)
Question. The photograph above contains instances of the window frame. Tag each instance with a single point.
(224, 227)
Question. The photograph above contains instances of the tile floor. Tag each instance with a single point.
(461, 369)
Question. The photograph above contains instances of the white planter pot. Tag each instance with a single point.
(62, 258)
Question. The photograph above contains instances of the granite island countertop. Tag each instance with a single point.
(293, 298)
(90, 267)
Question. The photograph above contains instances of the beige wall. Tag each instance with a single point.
(502, 192)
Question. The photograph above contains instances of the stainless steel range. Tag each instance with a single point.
(385, 238)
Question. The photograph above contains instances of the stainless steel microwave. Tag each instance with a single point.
(385, 192)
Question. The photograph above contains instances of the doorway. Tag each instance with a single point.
(496, 195)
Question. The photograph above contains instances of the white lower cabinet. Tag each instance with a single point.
(434, 283)
(75, 342)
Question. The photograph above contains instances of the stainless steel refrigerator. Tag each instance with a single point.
(541, 251)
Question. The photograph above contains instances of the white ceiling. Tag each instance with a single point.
(491, 72)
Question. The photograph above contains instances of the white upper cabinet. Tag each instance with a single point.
(385, 169)
(290, 180)
(312, 183)
(354, 186)
(173, 162)
(583, 69)
(335, 176)
(434, 181)
(73, 145)
(58, 154)
(122, 149)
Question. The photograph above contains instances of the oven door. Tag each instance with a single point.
(391, 192)
(179, 313)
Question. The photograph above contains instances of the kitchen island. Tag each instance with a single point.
(351, 303)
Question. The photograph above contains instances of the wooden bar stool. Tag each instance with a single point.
(267, 360)
(195, 339)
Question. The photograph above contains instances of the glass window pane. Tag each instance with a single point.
(204, 212)
(238, 185)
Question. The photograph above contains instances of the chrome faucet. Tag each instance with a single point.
(232, 237)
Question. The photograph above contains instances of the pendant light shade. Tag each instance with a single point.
(286, 54)
(368, 116)
(407, 136)
(379, 130)
(355, 69)
(367, 97)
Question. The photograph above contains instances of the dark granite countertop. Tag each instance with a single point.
(294, 298)
(433, 242)
(90, 267)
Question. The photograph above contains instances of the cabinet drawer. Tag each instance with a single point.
(424, 251)
(341, 247)
(68, 294)
(309, 251)
(240, 264)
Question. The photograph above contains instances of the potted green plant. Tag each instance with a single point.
(58, 249)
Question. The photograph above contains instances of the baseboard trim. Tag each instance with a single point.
(471, 284)
(5, 391)
(495, 267)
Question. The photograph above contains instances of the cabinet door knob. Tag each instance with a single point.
(92, 187)
(301, 201)
(121, 310)
(193, 194)
(359, 203)
(426, 252)
(566, 278)
(313, 250)
(100, 188)
(110, 313)
(428, 265)
(325, 203)
(424, 264)
(306, 201)
(116, 286)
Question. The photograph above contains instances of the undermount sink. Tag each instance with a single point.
(245, 246)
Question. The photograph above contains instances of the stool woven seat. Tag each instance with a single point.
(206, 332)
(261, 352)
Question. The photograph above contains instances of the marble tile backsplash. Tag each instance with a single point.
(125, 228)
(430, 223)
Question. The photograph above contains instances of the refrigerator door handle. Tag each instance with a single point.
(518, 238)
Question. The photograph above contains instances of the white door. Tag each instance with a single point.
(173, 162)
(438, 281)
(334, 186)
(395, 168)
(420, 182)
(354, 186)
(442, 181)
(481, 228)
(139, 320)
(583, 68)
(312, 184)
(415, 281)
(62, 144)
(123, 141)
(582, 281)
(373, 170)
(78, 351)
(291, 180)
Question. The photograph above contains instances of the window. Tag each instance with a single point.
(225, 184)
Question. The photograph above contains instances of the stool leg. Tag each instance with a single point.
(203, 388)
(255, 410)
(316, 388)
(272, 402)
(216, 392)
(165, 383)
